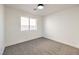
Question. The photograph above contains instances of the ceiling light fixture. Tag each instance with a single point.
(40, 6)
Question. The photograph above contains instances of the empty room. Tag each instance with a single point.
(39, 29)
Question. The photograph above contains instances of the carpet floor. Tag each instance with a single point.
(41, 46)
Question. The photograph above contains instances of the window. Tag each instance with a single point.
(28, 24)
(24, 23)
(33, 25)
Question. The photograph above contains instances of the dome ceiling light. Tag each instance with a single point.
(39, 7)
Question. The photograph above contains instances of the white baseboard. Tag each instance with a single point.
(23, 41)
(2, 51)
(75, 46)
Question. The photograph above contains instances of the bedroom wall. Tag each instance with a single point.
(2, 31)
(13, 28)
(63, 26)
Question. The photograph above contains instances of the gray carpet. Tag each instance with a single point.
(41, 46)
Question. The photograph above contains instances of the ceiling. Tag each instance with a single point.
(48, 8)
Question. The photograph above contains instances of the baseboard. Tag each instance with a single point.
(2, 51)
(23, 41)
(62, 42)
(47, 38)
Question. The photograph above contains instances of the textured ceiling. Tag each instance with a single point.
(48, 8)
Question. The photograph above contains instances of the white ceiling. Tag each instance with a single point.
(48, 9)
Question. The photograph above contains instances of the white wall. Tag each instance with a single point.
(13, 28)
(63, 26)
(2, 35)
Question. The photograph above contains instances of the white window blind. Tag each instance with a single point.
(33, 24)
(24, 23)
(28, 24)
